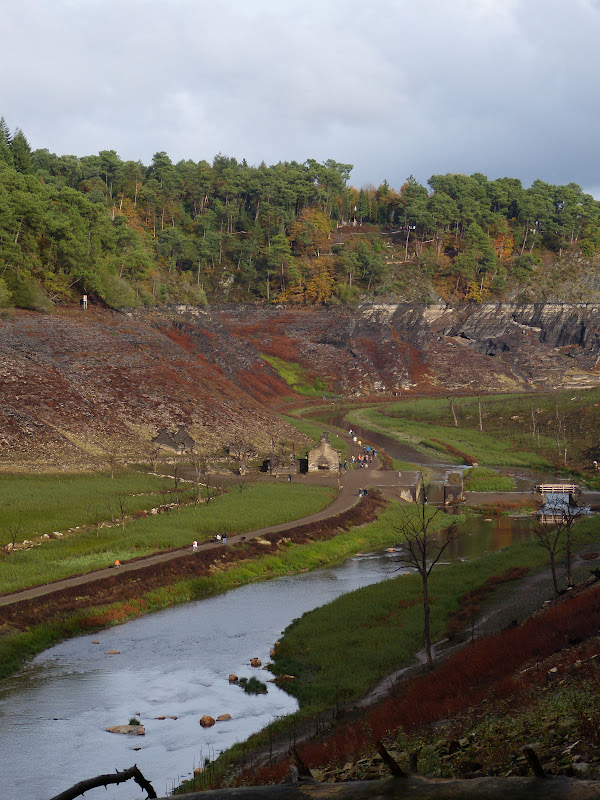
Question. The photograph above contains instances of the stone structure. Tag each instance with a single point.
(323, 458)
(180, 441)
(453, 490)
(405, 485)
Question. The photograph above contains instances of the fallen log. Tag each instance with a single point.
(104, 780)
(415, 788)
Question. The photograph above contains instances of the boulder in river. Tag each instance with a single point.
(232, 677)
(132, 730)
(223, 717)
(255, 662)
(206, 721)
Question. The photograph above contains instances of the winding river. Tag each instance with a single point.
(174, 663)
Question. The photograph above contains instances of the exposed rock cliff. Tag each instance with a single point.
(77, 385)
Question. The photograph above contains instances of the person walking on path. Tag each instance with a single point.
(194, 546)
(224, 540)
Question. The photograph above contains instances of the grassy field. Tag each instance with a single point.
(297, 378)
(32, 505)
(481, 479)
(17, 647)
(257, 506)
(555, 430)
(456, 445)
(381, 626)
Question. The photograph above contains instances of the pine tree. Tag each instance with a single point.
(21, 152)
(5, 140)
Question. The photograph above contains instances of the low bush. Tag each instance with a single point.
(482, 479)
(252, 686)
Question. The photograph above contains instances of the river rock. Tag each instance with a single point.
(286, 678)
(255, 662)
(132, 730)
(233, 678)
(207, 721)
(223, 717)
(113, 652)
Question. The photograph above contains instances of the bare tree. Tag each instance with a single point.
(112, 459)
(13, 531)
(553, 532)
(200, 465)
(121, 499)
(453, 410)
(240, 450)
(154, 456)
(423, 546)
(276, 450)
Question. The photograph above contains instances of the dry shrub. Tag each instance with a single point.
(466, 678)
(469, 602)
(263, 385)
(503, 506)
(466, 458)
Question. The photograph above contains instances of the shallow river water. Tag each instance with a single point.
(174, 663)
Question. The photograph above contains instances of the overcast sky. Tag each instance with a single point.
(394, 87)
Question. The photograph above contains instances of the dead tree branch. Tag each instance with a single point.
(104, 780)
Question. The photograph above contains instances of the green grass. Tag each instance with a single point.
(297, 378)
(480, 479)
(381, 626)
(17, 647)
(257, 506)
(428, 436)
(32, 505)
(252, 685)
(526, 429)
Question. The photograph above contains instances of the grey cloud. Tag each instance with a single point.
(504, 87)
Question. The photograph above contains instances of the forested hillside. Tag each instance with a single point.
(128, 234)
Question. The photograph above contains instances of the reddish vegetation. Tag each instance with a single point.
(469, 602)
(466, 458)
(489, 666)
(122, 376)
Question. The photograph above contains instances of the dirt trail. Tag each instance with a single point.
(346, 498)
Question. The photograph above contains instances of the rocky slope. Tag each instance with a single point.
(77, 386)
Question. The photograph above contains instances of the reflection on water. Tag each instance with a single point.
(175, 663)
(172, 663)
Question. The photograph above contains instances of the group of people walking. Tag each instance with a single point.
(218, 538)
(364, 459)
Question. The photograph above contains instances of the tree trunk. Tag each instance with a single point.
(568, 558)
(104, 780)
(427, 620)
(413, 787)
(451, 401)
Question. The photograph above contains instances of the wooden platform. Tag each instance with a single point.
(556, 488)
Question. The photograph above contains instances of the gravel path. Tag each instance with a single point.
(346, 498)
